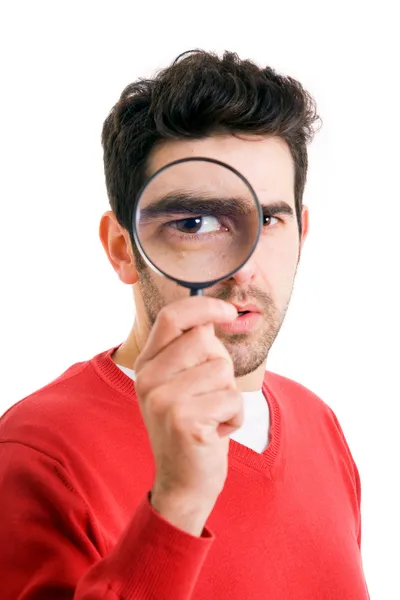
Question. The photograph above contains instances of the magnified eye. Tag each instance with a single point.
(198, 224)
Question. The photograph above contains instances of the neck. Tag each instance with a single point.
(251, 382)
(127, 353)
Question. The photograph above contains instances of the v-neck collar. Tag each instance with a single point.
(270, 463)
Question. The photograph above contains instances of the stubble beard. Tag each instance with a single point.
(248, 350)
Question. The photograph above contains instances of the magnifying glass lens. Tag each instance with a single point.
(197, 221)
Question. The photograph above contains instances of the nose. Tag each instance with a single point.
(246, 273)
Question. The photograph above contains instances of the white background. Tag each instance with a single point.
(63, 67)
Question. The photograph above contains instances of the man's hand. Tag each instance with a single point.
(187, 393)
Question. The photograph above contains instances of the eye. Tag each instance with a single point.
(267, 220)
(198, 224)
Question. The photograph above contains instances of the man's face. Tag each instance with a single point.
(266, 280)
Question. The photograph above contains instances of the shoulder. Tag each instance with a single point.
(44, 418)
(294, 394)
(308, 408)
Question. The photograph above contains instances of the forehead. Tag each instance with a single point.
(265, 161)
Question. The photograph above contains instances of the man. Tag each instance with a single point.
(174, 466)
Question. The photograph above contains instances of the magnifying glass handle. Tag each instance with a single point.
(196, 292)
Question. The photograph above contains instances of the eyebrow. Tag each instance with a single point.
(277, 208)
(186, 203)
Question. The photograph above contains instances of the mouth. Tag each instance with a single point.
(246, 309)
(248, 320)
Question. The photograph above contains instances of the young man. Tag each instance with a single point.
(174, 466)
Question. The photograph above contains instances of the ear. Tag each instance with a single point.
(305, 215)
(117, 245)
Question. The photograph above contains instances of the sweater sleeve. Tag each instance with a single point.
(354, 471)
(51, 546)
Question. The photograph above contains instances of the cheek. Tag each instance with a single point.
(276, 264)
(169, 290)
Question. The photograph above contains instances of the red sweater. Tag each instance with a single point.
(76, 469)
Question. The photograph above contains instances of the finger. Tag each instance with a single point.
(177, 317)
(200, 417)
(211, 374)
(188, 350)
(223, 407)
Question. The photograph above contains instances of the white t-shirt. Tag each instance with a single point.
(254, 432)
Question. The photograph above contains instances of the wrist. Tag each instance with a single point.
(181, 512)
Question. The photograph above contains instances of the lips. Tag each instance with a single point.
(246, 322)
(246, 308)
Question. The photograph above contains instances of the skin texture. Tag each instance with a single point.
(267, 278)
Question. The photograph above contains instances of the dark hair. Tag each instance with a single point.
(201, 94)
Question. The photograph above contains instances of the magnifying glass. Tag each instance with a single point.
(197, 221)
